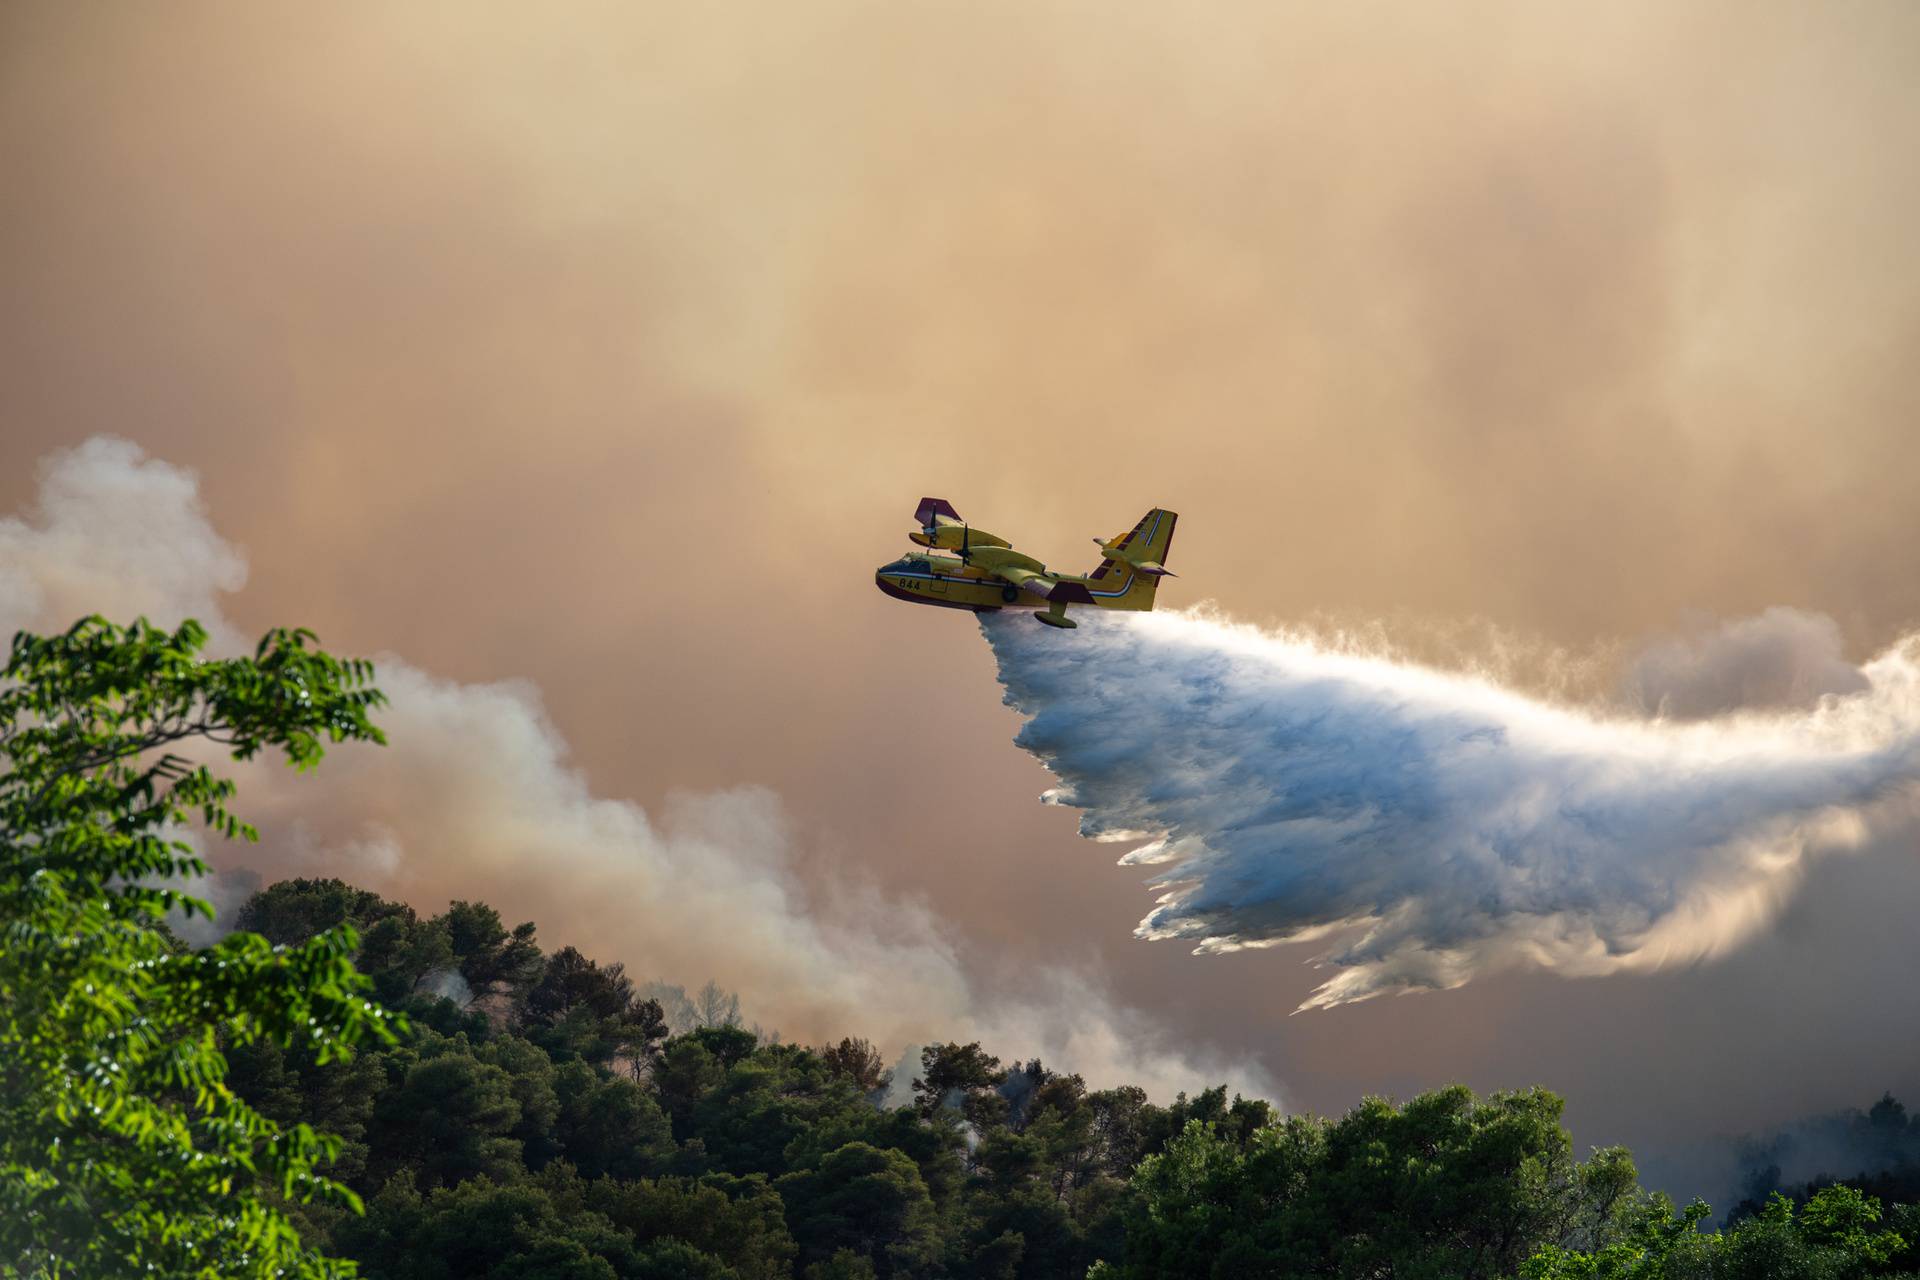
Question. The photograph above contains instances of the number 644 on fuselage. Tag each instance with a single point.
(985, 574)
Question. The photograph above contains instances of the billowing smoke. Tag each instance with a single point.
(1876, 1150)
(1436, 826)
(113, 532)
(1782, 658)
(477, 798)
(1854, 1146)
(225, 891)
(448, 985)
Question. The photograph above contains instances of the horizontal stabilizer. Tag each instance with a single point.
(1137, 551)
(1137, 558)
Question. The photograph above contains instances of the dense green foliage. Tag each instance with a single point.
(1467, 1188)
(551, 1127)
(169, 1111)
(1836, 1235)
(122, 1150)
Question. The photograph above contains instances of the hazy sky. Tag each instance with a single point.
(611, 346)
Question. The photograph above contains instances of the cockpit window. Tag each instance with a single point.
(906, 564)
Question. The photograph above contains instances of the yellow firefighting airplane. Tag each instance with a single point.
(989, 575)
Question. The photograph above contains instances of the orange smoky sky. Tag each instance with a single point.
(611, 345)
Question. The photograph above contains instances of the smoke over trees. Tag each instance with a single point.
(1876, 1150)
(480, 795)
(485, 1144)
(1018, 1171)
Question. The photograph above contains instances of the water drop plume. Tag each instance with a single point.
(1432, 826)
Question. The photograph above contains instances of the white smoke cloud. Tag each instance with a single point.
(1781, 658)
(224, 891)
(114, 529)
(1442, 825)
(476, 798)
(448, 985)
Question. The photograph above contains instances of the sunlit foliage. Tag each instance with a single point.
(122, 1149)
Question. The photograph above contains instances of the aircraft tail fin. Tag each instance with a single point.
(1135, 562)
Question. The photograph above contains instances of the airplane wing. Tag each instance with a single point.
(1021, 577)
(934, 512)
(941, 526)
(1036, 581)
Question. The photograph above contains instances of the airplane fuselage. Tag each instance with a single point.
(946, 582)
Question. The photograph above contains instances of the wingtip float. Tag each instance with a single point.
(986, 575)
